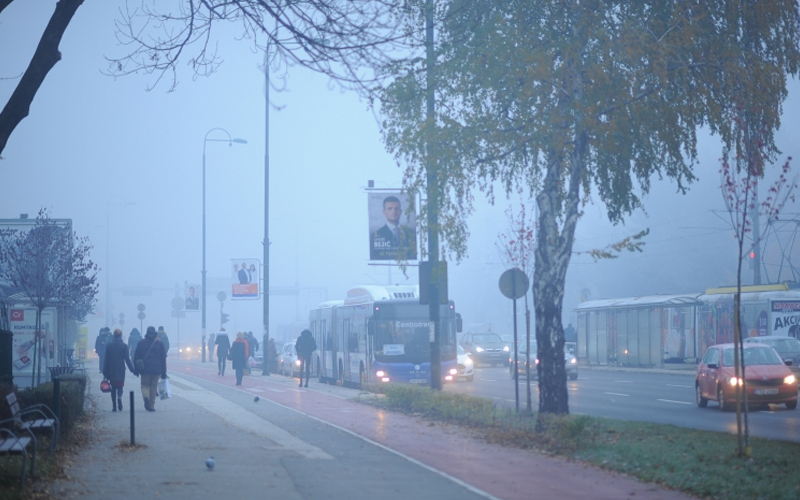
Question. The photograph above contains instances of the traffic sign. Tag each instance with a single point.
(178, 304)
(140, 315)
(514, 283)
(221, 296)
(140, 307)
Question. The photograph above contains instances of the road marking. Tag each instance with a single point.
(684, 386)
(246, 420)
(676, 402)
(488, 380)
(624, 381)
(275, 390)
(617, 394)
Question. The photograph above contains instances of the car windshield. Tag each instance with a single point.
(753, 356)
(460, 350)
(487, 338)
(783, 345)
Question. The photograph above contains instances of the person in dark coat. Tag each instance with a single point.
(162, 336)
(153, 364)
(305, 347)
(223, 347)
(133, 340)
(238, 356)
(117, 358)
(100, 346)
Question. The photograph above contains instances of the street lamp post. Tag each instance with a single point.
(265, 340)
(206, 140)
(108, 251)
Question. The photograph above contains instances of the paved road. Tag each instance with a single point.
(308, 443)
(666, 398)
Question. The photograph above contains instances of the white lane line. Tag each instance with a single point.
(414, 461)
(274, 390)
(255, 390)
(617, 394)
(673, 401)
(246, 420)
(624, 381)
(683, 386)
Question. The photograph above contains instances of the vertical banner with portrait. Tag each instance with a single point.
(245, 278)
(191, 295)
(392, 226)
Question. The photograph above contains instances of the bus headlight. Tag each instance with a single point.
(380, 373)
(449, 378)
(385, 379)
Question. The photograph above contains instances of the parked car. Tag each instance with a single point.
(288, 362)
(485, 348)
(465, 365)
(769, 380)
(570, 362)
(788, 349)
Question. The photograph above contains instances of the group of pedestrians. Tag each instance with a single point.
(149, 363)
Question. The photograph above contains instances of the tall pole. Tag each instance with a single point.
(203, 272)
(755, 216)
(433, 206)
(265, 349)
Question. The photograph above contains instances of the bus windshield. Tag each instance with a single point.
(403, 333)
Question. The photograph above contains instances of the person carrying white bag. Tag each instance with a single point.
(164, 390)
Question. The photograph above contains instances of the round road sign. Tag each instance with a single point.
(140, 315)
(221, 296)
(178, 304)
(513, 283)
(140, 308)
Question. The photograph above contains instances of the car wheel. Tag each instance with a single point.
(573, 376)
(723, 404)
(791, 405)
(701, 401)
(472, 377)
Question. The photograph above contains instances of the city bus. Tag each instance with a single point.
(380, 334)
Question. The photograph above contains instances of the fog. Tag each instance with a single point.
(126, 166)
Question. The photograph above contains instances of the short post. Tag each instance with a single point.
(57, 401)
(133, 423)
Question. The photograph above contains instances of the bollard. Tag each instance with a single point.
(133, 423)
(57, 403)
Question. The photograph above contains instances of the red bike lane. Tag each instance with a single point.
(499, 472)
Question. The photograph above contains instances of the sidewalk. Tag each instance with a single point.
(337, 444)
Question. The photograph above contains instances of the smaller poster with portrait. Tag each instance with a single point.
(191, 295)
(245, 278)
(392, 226)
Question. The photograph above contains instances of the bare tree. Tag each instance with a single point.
(48, 269)
(344, 39)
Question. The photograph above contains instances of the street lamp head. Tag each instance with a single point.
(239, 141)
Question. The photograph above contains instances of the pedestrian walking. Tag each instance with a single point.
(223, 349)
(273, 357)
(211, 339)
(117, 358)
(238, 356)
(162, 336)
(133, 340)
(305, 347)
(150, 362)
(100, 346)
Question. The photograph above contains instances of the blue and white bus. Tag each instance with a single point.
(380, 334)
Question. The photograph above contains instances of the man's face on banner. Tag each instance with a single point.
(191, 291)
(392, 212)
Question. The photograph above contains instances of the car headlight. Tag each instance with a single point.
(468, 363)
(453, 371)
(506, 349)
(574, 361)
(479, 349)
(789, 379)
(298, 362)
(734, 381)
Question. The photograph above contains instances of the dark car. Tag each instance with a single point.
(570, 362)
(485, 348)
(769, 380)
(788, 349)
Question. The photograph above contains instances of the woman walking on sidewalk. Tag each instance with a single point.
(239, 356)
(150, 361)
(117, 358)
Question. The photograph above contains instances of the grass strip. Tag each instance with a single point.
(702, 463)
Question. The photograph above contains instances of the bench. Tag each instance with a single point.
(43, 418)
(10, 444)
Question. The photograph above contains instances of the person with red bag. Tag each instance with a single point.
(116, 359)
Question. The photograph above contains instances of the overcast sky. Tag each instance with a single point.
(94, 145)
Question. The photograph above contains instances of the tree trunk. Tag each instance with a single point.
(553, 252)
(43, 60)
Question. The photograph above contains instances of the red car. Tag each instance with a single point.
(769, 380)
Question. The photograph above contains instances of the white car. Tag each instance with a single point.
(288, 362)
(465, 365)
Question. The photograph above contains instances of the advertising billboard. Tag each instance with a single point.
(392, 226)
(22, 322)
(245, 278)
(786, 318)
